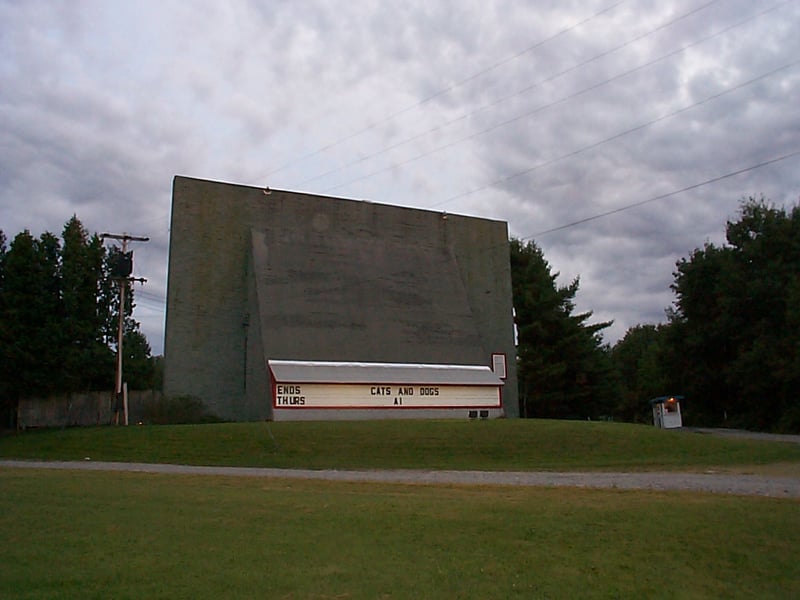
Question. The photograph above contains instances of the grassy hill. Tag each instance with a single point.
(508, 445)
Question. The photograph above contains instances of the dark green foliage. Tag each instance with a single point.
(58, 314)
(737, 323)
(639, 360)
(157, 371)
(138, 365)
(87, 360)
(563, 369)
(31, 309)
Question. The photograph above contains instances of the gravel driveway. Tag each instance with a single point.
(750, 485)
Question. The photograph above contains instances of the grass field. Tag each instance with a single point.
(481, 445)
(72, 534)
(123, 535)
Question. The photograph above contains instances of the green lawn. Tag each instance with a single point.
(132, 535)
(482, 445)
(73, 534)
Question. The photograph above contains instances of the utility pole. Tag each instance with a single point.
(123, 277)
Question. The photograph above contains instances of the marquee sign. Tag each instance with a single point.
(316, 395)
(301, 387)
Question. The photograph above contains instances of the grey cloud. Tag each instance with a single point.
(102, 104)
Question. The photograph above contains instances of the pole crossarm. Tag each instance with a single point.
(124, 237)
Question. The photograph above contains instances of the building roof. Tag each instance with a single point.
(295, 371)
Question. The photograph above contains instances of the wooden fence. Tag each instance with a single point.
(86, 409)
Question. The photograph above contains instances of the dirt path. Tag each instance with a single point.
(718, 483)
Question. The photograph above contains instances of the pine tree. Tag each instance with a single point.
(563, 368)
(86, 357)
(58, 316)
(31, 311)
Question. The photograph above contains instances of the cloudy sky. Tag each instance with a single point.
(655, 116)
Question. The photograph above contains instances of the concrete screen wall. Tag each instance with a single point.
(260, 274)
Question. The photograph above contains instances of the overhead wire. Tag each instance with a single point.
(637, 128)
(446, 90)
(663, 196)
(619, 135)
(195, 311)
(492, 104)
(530, 112)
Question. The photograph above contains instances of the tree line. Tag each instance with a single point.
(730, 344)
(59, 310)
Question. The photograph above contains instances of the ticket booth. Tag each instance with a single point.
(667, 412)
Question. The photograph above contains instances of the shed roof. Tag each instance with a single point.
(663, 399)
(295, 371)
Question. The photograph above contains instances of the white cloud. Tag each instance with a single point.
(102, 103)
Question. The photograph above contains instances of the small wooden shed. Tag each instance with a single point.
(667, 412)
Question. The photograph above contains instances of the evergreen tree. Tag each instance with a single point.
(31, 310)
(138, 365)
(563, 368)
(86, 357)
(58, 316)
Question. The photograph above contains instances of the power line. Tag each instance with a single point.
(667, 195)
(151, 302)
(619, 135)
(539, 108)
(445, 90)
(191, 306)
(150, 295)
(497, 101)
